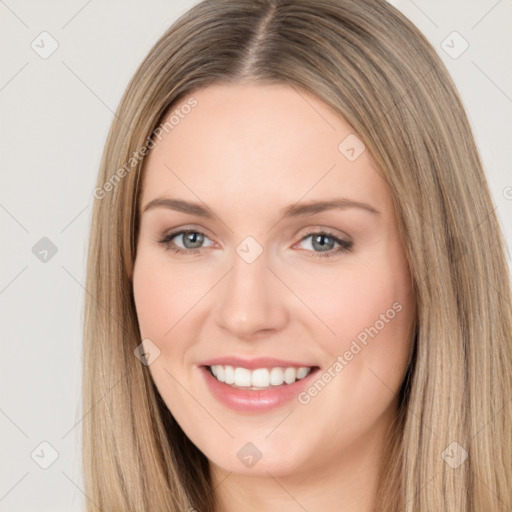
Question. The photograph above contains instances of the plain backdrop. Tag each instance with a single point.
(55, 114)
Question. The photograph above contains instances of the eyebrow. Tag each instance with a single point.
(294, 210)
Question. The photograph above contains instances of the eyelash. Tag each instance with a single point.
(344, 245)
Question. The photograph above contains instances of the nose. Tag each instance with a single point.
(252, 300)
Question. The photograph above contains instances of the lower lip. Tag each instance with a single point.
(251, 400)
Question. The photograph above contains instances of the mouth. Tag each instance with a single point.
(256, 386)
(258, 379)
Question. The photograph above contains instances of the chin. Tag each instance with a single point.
(256, 459)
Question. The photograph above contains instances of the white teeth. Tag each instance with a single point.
(289, 375)
(276, 376)
(220, 373)
(302, 372)
(260, 378)
(242, 377)
(229, 374)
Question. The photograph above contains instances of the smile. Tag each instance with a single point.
(258, 385)
(259, 378)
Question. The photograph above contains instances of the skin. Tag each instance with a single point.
(246, 152)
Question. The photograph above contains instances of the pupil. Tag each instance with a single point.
(321, 237)
(193, 238)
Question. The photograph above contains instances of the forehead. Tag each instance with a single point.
(263, 145)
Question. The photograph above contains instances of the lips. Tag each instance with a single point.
(256, 385)
(257, 362)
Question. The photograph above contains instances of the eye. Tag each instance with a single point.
(191, 240)
(325, 242)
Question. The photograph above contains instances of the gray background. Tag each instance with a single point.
(55, 114)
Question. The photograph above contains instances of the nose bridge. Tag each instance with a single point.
(251, 300)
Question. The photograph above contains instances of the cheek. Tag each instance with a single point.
(369, 310)
(163, 296)
(353, 299)
(152, 296)
(166, 299)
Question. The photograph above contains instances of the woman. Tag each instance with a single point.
(291, 299)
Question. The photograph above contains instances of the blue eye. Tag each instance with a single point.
(192, 243)
(194, 238)
(327, 247)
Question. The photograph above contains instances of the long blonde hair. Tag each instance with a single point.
(373, 67)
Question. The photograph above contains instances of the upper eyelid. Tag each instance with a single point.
(173, 234)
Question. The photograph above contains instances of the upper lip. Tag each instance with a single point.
(257, 362)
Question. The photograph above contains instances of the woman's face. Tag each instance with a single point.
(291, 286)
